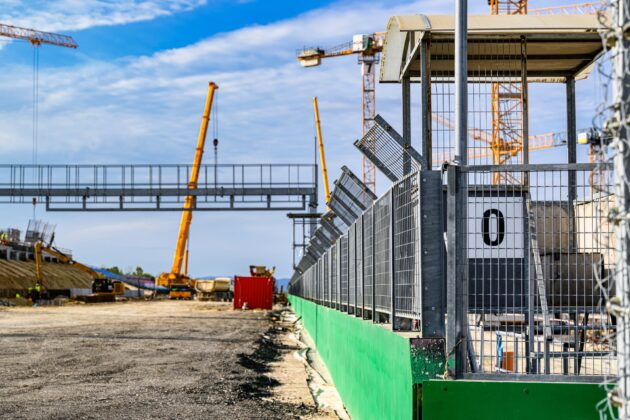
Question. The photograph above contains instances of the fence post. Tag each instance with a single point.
(431, 254)
(374, 263)
(457, 266)
(362, 269)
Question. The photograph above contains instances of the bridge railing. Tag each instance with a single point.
(220, 186)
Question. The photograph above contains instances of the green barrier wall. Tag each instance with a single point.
(477, 400)
(378, 374)
(370, 365)
(375, 370)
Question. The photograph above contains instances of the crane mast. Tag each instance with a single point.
(368, 47)
(176, 276)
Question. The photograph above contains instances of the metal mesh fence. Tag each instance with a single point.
(359, 266)
(384, 147)
(406, 248)
(382, 262)
(334, 297)
(540, 258)
(496, 105)
(343, 271)
(368, 254)
(352, 280)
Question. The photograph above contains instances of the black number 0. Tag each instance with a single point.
(485, 227)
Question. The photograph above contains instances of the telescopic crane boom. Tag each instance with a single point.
(322, 156)
(176, 276)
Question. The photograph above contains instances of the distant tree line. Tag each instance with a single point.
(138, 272)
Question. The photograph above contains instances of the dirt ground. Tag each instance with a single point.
(148, 360)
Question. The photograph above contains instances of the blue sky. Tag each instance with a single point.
(133, 93)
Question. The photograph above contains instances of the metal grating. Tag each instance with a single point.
(343, 270)
(334, 288)
(406, 248)
(384, 147)
(352, 280)
(382, 273)
(368, 260)
(359, 265)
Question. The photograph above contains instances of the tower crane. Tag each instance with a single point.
(507, 98)
(178, 282)
(368, 48)
(36, 37)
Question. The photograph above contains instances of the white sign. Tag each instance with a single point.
(495, 227)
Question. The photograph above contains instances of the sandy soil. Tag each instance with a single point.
(148, 360)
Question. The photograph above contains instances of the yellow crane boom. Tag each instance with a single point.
(40, 247)
(176, 276)
(322, 156)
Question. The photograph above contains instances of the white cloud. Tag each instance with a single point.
(65, 15)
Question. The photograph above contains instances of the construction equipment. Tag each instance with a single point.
(100, 283)
(368, 48)
(322, 156)
(36, 37)
(261, 271)
(180, 285)
(217, 289)
(508, 98)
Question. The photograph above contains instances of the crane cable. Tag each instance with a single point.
(35, 117)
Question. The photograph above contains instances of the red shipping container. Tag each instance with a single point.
(256, 292)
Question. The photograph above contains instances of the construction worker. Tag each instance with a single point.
(3, 236)
(38, 291)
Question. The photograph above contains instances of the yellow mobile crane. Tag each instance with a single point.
(322, 156)
(178, 282)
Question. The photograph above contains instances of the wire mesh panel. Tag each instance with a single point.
(407, 296)
(382, 273)
(326, 278)
(359, 266)
(383, 146)
(352, 279)
(334, 277)
(540, 258)
(343, 270)
(350, 197)
(496, 101)
(368, 252)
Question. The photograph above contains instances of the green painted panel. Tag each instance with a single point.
(477, 400)
(372, 367)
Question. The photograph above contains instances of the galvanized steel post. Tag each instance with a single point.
(458, 198)
(406, 122)
(571, 158)
(392, 251)
(425, 85)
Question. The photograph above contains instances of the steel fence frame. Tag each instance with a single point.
(542, 325)
(357, 273)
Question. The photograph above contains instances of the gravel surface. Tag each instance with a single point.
(140, 360)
